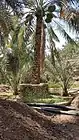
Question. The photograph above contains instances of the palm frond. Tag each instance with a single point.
(74, 22)
(70, 12)
(64, 33)
(52, 34)
(54, 52)
(16, 5)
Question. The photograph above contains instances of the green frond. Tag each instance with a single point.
(21, 37)
(52, 34)
(64, 33)
(14, 41)
(54, 52)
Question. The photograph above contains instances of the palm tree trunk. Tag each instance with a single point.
(15, 84)
(36, 68)
(52, 53)
(42, 49)
(65, 91)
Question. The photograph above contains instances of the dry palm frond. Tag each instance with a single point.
(70, 12)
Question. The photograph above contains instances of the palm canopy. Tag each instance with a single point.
(69, 9)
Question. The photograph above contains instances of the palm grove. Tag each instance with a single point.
(25, 28)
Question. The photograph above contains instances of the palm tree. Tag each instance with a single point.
(42, 9)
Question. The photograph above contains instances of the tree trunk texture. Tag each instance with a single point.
(36, 67)
(52, 53)
(15, 90)
(42, 49)
(15, 86)
(65, 91)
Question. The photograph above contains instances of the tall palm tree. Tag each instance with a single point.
(44, 9)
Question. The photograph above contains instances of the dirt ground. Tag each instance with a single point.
(20, 122)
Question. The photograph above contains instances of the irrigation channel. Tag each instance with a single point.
(55, 109)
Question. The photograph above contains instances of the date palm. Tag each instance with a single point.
(44, 10)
